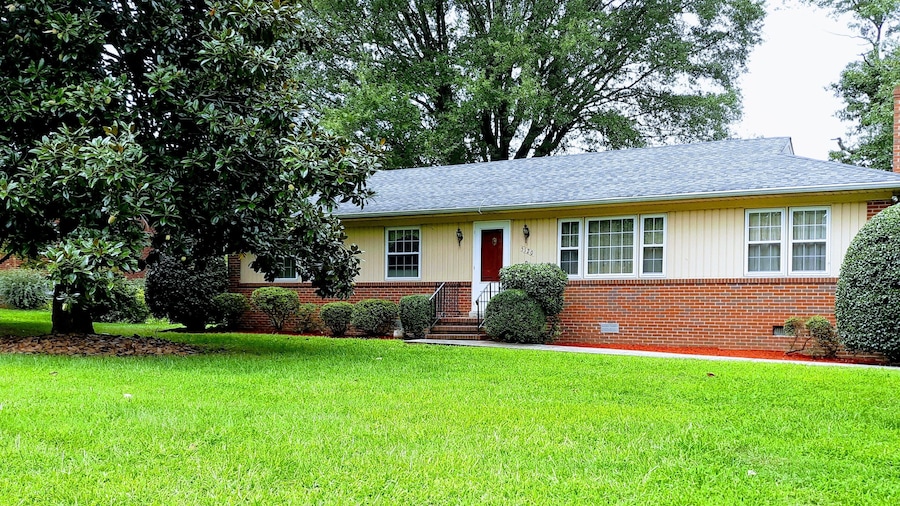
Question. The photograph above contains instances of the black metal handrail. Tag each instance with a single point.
(440, 303)
(483, 298)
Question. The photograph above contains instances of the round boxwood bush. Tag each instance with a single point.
(277, 303)
(230, 307)
(183, 290)
(25, 288)
(543, 282)
(416, 314)
(867, 299)
(375, 317)
(515, 317)
(124, 302)
(336, 316)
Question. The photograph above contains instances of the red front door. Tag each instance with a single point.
(491, 254)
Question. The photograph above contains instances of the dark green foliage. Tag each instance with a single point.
(124, 302)
(451, 81)
(25, 288)
(416, 314)
(867, 299)
(824, 334)
(515, 317)
(336, 316)
(277, 303)
(308, 319)
(182, 289)
(793, 326)
(183, 117)
(546, 283)
(374, 317)
(229, 308)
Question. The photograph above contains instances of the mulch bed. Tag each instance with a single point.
(774, 355)
(94, 345)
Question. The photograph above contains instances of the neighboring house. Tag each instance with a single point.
(711, 244)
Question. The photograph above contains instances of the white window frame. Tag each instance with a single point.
(665, 239)
(791, 241)
(781, 242)
(387, 254)
(296, 275)
(634, 244)
(580, 249)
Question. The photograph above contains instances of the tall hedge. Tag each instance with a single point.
(182, 289)
(867, 299)
(543, 282)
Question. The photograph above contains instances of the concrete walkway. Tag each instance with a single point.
(628, 353)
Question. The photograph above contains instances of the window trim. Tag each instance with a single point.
(288, 280)
(634, 244)
(790, 241)
(665, 240)
(580, 249)
(387, 254)
(781, 240)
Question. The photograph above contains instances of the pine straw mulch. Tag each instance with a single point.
(95, 345)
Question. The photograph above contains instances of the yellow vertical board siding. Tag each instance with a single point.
(371, 241)
(248, 275)
(443, 258)
(846, 220)
(705, 244)
(542, 241)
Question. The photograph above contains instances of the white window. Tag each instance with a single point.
(403, 253)
(570, 247)
(287, 269)
(610, 246)
(793, 240)
(764, 239)
(809, 239)
(653, 242)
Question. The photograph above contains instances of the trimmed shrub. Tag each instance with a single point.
(416, 314)
(124, 302)
(867, 298)
(824, 334)
(515, 317)
(25, 288)
(277, 303)
(183, 291)
(543, 282)
(308, 320)
(375, 317)
(230, 307)
(336, 316)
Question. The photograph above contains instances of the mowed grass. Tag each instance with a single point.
(275, 419)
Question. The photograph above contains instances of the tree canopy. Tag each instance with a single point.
(450, 81)
(173, 123)
(866, 86)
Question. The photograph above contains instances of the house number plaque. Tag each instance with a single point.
(527, 251)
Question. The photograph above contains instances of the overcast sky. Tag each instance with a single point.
(803, 51)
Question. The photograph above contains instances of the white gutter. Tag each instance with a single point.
(886, 185)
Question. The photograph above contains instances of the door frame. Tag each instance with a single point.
(477, 228)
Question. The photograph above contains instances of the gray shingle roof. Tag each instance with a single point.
(711, 169)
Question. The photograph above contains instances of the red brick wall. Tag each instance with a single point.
(721, 313)
(874, 207)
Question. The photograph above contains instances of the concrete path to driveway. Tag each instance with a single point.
(627, 353)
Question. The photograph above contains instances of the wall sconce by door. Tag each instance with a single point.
(526, 232)
(459, 237)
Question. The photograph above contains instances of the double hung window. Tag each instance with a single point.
(796, 238)
(620, 246)
(403, 253)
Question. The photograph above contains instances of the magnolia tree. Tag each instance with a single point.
(175, 124)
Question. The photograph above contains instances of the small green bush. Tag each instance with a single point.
(25, 288)
(183, 290)
(416, 314)
(375, 317)
(515, 317)
(277, 303)
(544, 282)
(336, 316)
(867, 298)
(229, 308)
(308, 320)
(793, 326)
(824, 334)
(124, 302)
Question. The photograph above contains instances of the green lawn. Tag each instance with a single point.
(297, 420)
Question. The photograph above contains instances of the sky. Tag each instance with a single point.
(785, 89)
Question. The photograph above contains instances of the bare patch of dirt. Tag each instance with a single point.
(94, 345)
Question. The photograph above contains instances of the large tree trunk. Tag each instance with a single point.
(74, 321)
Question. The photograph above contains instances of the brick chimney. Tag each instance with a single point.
(895, 165)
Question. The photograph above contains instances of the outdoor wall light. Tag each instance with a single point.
(459, 237)
(526, 232)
